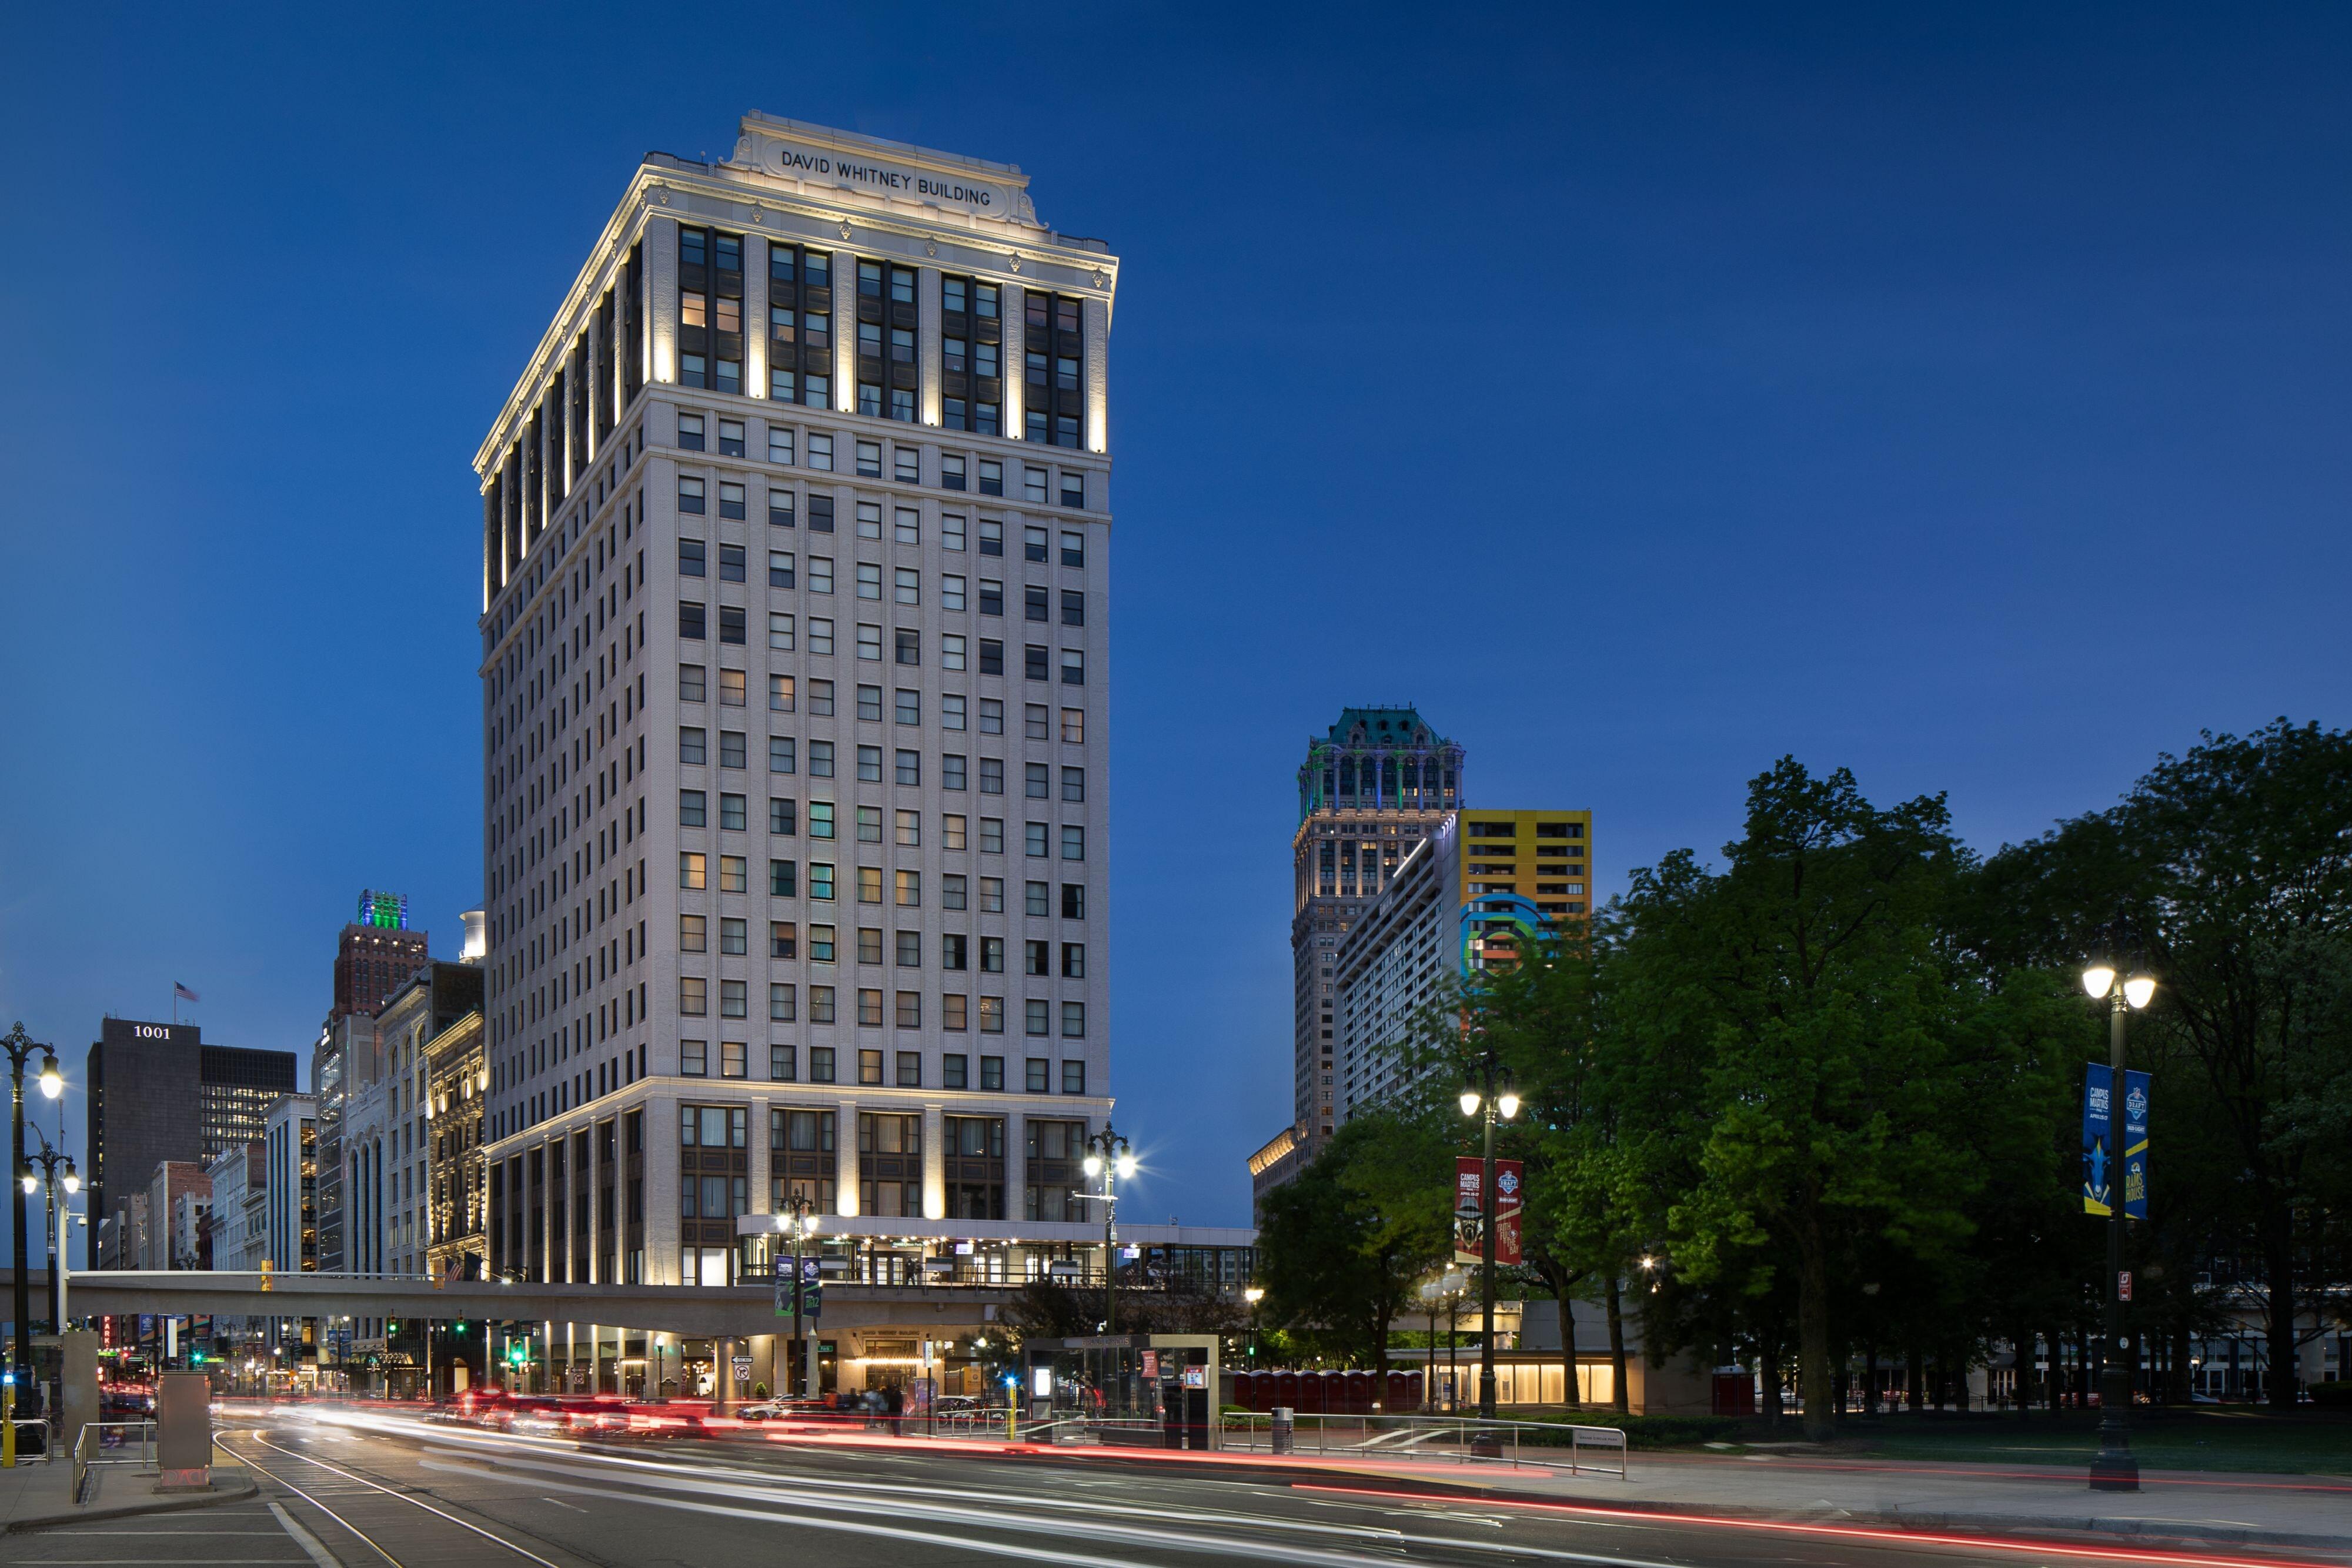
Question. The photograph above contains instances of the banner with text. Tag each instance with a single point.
(2104, 1154)
(1469, 1176)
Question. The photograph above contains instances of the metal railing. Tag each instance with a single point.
(48, 1445)
(1463, 1439)
(92, 1442)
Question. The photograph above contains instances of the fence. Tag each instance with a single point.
(94, 1438)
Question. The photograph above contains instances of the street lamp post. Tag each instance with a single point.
(50, 1159)
(1493, 1106)
(1252, 1294)
(798, 1221)
(2114, 1468)
(1109, 1156)
(20, 1048)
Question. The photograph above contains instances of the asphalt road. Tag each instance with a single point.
(427, 1497)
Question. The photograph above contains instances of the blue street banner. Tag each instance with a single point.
(2135, 1144)
(2102, 1160)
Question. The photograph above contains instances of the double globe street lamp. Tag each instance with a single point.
(1484, 1101)
(1109, 1156)
(50, 1159)
(2114, 1468)
(20, 1048)
(799, 1221)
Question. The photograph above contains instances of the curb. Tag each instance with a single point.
(1921, 1522)
(177, 1504)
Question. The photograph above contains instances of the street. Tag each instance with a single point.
(360, 1494)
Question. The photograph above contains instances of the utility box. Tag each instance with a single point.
(184, 1432)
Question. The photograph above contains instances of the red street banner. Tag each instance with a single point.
(1469, 1174)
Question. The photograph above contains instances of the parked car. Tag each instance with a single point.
(776, 1410)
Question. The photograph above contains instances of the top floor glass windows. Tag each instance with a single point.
(971, 370)
(888, 379)
(709, 309)
(800, 325)
(1054, 360)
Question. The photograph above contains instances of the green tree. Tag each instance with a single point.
(1836, 1034)
(1342, 1246)
(2232, 866)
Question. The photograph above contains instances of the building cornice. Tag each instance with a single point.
(765, 204)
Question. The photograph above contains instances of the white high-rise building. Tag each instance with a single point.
(796, 668)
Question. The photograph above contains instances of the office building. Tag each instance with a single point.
(384, 1130)
(456, 1088)
(289, 1141)
(375, 954)
(341, 1041)
(794, 663)
(240, 1213)
(158, 1092)
(374, 957)
(1469, 897)
(1372, 787)
(179, 1194)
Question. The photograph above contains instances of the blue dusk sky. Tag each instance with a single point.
(1955, 393)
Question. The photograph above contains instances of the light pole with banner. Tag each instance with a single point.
(799, 1221)
(2115, 1110)
(1486, 1102)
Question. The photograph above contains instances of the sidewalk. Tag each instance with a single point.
(33, 1496)
(2305, 1513)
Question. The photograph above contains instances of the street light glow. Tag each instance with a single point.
(1093, 1165)
(1469, 1102)
(52, 1086)
(2138, 989)
(2098, 978)
(1509, 1105)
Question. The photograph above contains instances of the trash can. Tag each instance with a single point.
(1281, 1428)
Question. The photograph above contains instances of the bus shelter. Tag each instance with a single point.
(1155, 1389)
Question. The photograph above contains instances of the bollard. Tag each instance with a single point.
(9, 1420)
(1281, 1428)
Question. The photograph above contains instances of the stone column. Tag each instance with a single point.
(1017, 1163)
(927, 345)
(661, 1190)
(844, 326)
(1011, 325)
(1094, 320)
(661, 298)
(844, 1156)
(935, 1164)
(755, 315)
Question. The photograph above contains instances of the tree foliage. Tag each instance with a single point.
(1829, 1087)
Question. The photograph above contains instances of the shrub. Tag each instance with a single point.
(2337, 1395)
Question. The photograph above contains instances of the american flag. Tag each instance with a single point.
(181, 993)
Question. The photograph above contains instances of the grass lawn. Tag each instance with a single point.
(2208, 1437)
